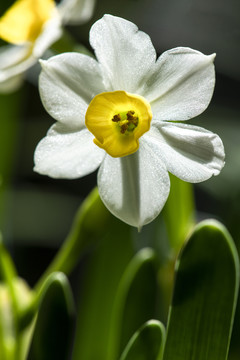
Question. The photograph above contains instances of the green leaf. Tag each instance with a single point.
(15, 297)
(135, 300)
(7, 326)
(103, 268)
(54, 325)
(204, 298)
(7, 268)
(13, 341)
(147, 343)
(8, 304)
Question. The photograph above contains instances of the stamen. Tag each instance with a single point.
(132, 119)
(126, 121)
(130, 115)
(124, 128)
(116, 118)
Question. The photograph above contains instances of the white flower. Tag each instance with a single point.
(132, 104)
(31, 27)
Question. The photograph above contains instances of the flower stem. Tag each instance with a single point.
(179, 212)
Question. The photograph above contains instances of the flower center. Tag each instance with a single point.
(127, 121)
(117, 120)
(24, 20)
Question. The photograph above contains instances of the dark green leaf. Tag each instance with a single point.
(103, 269)
(147, 343)
(135, 300)
(54, 326)
(204, 299)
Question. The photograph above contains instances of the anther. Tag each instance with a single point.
(131, 118)
(124, 128)
(116, 118)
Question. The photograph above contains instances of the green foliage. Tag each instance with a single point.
(15, 297)
(135, 300)
(205, 295)
(103, 269)
(53, 332)
(147, 343)
(120, 296)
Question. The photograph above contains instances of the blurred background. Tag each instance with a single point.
(36, 212)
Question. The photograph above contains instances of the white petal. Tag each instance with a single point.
(52, 31)
(191, 153)
(11, 59)
(134, 188)
(11, 55)
(62, 154)
(125, 53)
(75, 12)
(67, 84)
(181, 84)
(14, 61)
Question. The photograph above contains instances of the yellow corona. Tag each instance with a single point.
(117, 120)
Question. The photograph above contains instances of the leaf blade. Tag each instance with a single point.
(147, 343)
(54, 325)
(204, 299)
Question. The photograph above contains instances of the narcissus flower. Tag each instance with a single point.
(121, 112)
(31, 27)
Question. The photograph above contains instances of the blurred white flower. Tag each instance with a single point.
(31, 27)
(122, 112)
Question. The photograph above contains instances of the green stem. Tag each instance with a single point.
(7, 333)
(9, 329)
(8, 274)
(179, 212)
